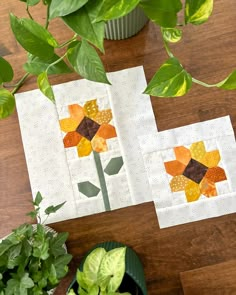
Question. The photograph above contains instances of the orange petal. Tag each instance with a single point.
(68, 124)
(91, 108)
(103, 117)
(215, 174)
(211, 159)
(107, 131)
(174, 168)
(208, 188)
(197, 150)
(76, 112)
(99, 144)
(182, 154)
(178, 183)
(192, 191)
(84, 147)
(71, 139)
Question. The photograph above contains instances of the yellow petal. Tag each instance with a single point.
(84, 147)
(91, 108)
(68, 124)
(211, 159)
(178, 183)
(192, 191)
(198, 150)
(103, 117)
(99, 144)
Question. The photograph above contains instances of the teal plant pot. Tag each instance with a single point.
(134, 273)
(126, 26)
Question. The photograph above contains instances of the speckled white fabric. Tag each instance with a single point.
(56, 171)
(172, 207)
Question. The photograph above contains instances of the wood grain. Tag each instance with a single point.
(218, 279)
(208, 53)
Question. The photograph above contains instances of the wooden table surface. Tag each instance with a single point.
(208, 52)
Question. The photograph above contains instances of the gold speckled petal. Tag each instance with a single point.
(103, 117)
(211, 159)
(207, 188)
(99, 144)
(84, 147)
(198, 150)
(68, 124)
(91, 108)
(178, 183)
(182, 154)
(192, 191)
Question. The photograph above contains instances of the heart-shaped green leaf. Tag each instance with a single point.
(45, 87)
(170, 80)
(7, 103)
(171, 34)
(61, 8)
(198, 11)
(162, 12)
(6, 74)
(33, 37)
(82, 23)
(229, 83)
(112, 9)
(85, 61)
(36, 66)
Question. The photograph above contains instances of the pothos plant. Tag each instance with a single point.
(102, 273)
(87, 18)
(33, 260)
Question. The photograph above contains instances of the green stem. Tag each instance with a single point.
(56, 61)
(68, 41)
(102, 180)
(167, 48)
(47, 18)
(203, 83)
(29, 14)
(20, 83)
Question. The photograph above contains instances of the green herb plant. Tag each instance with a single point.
(32, 259)
(102, 273)
(87, 18)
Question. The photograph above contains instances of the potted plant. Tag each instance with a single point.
(109, 268)
(33, 258)
(87, 20)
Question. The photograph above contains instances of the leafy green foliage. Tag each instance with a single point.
(112, 9)
(33, 260)
(102, 273)
(198, 11)
(33, 37)
(54, 209)
(229, 83)
(44, 86)
(61, 8)
(31, 2)
(171, 35)
(7, 72)
(7, 103)
(162, 12)
(85, 61)
(170, 80)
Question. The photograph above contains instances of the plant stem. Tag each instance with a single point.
(167, 48)
(203, 83)
(56, 61)
(68, 41)
(20, 83)
(47, 18)
(29, 14)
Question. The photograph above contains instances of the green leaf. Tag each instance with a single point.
(170, 80)
(6, 74)
(36, 66)
(56, 244)
(33, 37)
(61, 8)
(26, 282)
(198, 11)
(31, 2)
(162, 12)
(61, 263)
(45, 87)
(13, 286)
(38, 199)
(7, 103)
(54, 209)
(113, 267)
(13, 256)
(82, 23)
(53, 275)
(114, 165)
(112, 9)
(86, 62)
(229, 83)
(91, 266)
(171, 35)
